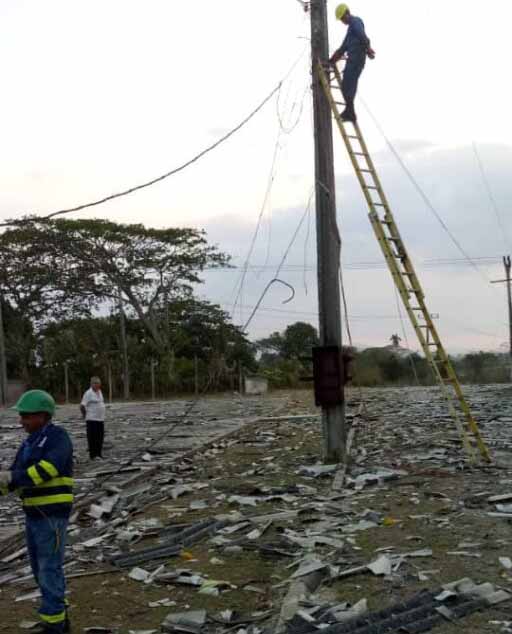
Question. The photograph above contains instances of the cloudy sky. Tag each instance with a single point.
(98, 96)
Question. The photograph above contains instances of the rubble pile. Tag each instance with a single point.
(252, 534)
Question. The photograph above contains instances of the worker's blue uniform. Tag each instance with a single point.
(355, 45)
(42, 473)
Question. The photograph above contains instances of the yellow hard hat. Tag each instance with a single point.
(341, 9)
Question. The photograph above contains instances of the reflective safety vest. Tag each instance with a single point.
(42, 472)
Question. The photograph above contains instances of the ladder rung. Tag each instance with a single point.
(370, 187)
(352, 136)
(361, 154)
(364, 170)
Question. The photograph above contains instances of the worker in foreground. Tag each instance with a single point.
(42, 475)
(355, 48)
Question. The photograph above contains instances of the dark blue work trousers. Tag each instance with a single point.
(46, 542)
(353, 69)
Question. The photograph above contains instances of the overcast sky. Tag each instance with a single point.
(98, 96)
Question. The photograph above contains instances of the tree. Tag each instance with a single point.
(148, 268)
(295, 342)
(299, 340)
(39, 286)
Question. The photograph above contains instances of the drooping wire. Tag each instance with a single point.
(270, 181)
(494, 204)
(285, 255)
(306, 245)
(28, 216)
(262, 297)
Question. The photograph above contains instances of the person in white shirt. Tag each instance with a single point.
(93, 412)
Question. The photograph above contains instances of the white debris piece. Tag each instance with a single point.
(244, 500)
(308, 566)
(359, 609)
(381, 566)
(506, 562)
(318, 470)
(139, 574)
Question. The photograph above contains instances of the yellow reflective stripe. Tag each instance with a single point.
(53, 618)
(34, 475)
(57, 482)
(49, 468)
(60, 498)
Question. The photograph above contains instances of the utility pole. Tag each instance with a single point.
(329, 374)
(196, 376)
(66, 380)
(124, 345)
(154, 362)
(110, 381)
(508, 280)
(3, 359)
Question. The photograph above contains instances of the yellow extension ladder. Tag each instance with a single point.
(402, 269)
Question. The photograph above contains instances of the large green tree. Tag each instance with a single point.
(37, 286)
(145, 268)
(296, 342)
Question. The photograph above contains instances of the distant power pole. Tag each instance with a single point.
(329, 389)
(508, 280)
(66, 380)
(3, 359)
(154, 363)
(124, 346)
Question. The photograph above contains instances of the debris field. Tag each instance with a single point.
(222, 518)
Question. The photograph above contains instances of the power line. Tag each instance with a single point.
(421, 192)
(283, 259)
(270, 182)
(158, 179)
(492, 200)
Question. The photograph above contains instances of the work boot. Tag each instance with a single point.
(349, 115)
(46, 628)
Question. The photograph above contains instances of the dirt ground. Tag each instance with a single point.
(437, 502)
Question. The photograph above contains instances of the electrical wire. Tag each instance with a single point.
(306, 245)
(494, 204)
(421, 192)
(285, 255)
(158, 179)
(404, 332)
(270, 181)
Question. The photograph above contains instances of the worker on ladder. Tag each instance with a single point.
(355, 47)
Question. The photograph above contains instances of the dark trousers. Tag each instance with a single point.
(95, 435)
(46, 541)
(353, 69)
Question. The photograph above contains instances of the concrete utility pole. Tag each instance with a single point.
(66, 380)
(109, 370)
(196, 376)
(154, 363)
(124, 346)
(508, 280)
(3, 359)
(328, 239)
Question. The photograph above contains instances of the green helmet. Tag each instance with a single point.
(35, 401)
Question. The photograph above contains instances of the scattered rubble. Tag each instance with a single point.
(252, 535)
